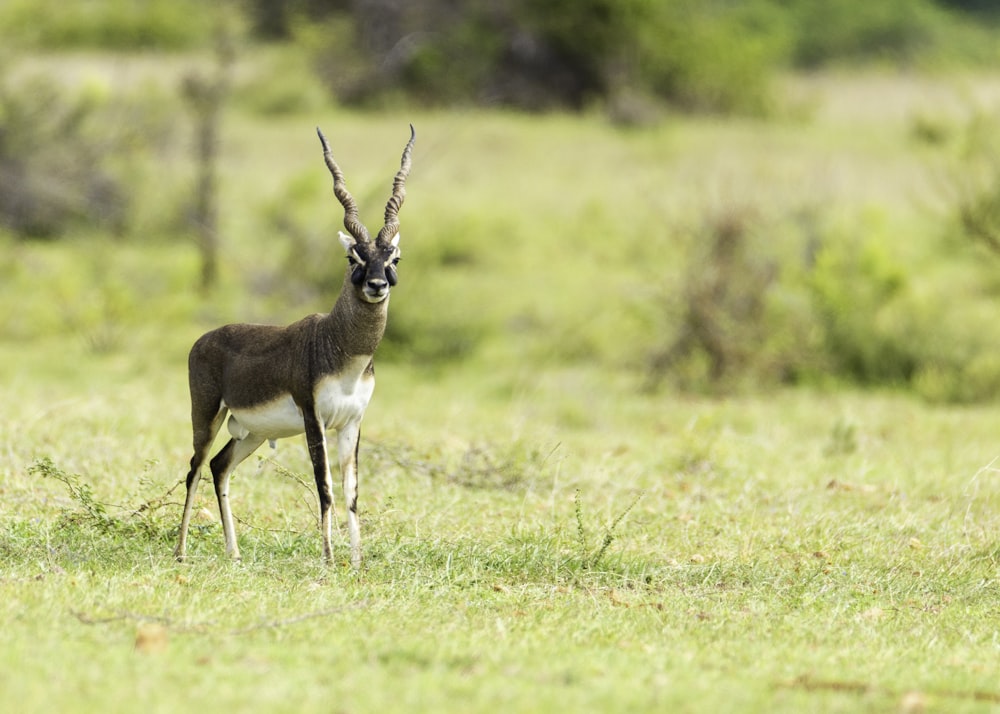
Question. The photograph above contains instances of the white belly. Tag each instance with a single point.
(274, 420)
(340, 400)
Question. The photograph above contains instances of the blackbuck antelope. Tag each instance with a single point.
(311, 376)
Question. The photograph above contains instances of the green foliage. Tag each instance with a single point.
(975, 181)
(631, 56)
(284, 84)
(955, 344)
(715, 57)
(895, 31)
(537, 55)
(589, 40)
(901, 33)
(724, 317)
(98, 294)
(310, 270)
(709, 57)
(96, 513)
(966, 382)
(337, 58)
(751, 311)
(852, 283)
(954, 335)
(61, 168)
(130, 522)
(106, 24)
(458, 70)
(53, 167)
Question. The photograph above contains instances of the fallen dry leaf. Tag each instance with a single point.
(151, 637)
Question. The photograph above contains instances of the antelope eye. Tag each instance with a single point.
(395, 261)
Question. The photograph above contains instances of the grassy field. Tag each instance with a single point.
(539, 532)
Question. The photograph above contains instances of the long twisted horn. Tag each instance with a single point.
(352, 223)
(391, 226)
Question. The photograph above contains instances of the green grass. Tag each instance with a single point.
(797, 551)
(539, 533)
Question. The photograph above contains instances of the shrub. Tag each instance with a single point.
(751, 312)
(895, 32)
(697, 56)
(283, 85)
(832, 30)
(723, 306)
(53, 168)
(852, 282)
(709, 58)
(107, 24)
(975, 182)
(541, 55)
(75, 158)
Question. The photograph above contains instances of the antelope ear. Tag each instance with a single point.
(395, 241)
(348, 241)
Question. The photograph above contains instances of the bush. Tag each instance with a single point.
(895, 32)
(723, 315)
(975, 182)
(707, 58)
(52, 164)
(60, 165)
(975, 381)
(106, 24)
(284, 85)
(696, 56)
(957, 326)
(853, 281)
(751, 312)
(539, 55)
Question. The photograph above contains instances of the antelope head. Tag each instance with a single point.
(371, 263)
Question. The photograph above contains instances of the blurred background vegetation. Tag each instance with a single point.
(713, 195)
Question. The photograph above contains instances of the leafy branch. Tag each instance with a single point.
(95, 512)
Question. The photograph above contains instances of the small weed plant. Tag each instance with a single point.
(589, 554)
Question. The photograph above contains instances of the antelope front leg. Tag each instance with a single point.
(348, 439)
(316, 440)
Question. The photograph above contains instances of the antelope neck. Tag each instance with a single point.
(355, 326)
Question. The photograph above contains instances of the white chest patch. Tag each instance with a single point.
(340, 400)
(343, 398)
